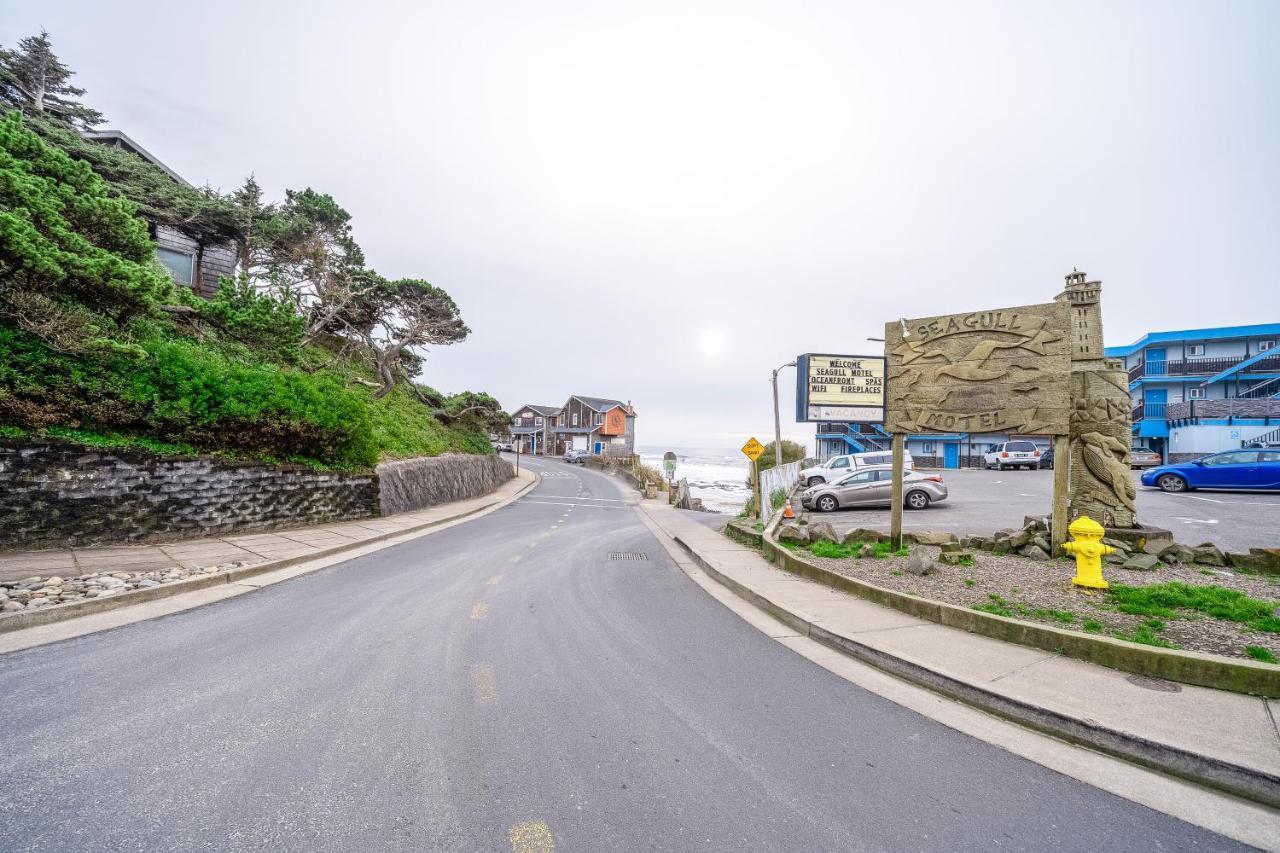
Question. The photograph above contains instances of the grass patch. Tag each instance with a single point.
(778, 497)
(1166, 599)
(835, 550)
(1092, 626)
(1209, 572)
(969, 582)
(1260, 653)
(885, 549)
(896, 573)
(1001, 607)
(1146, 636)
(965, 560)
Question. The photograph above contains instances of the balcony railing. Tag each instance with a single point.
(1148, 409)
(1234, 407)
(1199, 366)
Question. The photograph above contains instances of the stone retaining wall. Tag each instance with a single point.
(410, 484)
(55, 493)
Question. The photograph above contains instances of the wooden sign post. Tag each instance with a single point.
(753, 450)
(1061, 485)
(895, 518)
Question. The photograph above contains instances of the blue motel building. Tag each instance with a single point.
(1195, 392)
(1200, 391)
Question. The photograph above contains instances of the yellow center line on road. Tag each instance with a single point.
(484, 683)
(532, 836)
(479, 610)
(495, 580)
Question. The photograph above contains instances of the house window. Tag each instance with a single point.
(599, 418)
(538, 421)
(575, 418)
(1194, 350)
(181, 265)
(1195, 393)
(928, 447)
(1263, 346)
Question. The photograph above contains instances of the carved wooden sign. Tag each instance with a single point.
(986, 371)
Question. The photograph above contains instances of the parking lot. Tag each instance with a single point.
(985, 501)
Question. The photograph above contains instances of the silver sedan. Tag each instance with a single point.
(874, 487)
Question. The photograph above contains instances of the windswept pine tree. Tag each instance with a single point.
(33, 80)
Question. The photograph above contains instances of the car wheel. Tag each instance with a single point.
(815, 481)
(826, 503)
(1171, 483)
(917, 500)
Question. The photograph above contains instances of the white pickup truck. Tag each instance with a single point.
(837, 466)
(1014, 454)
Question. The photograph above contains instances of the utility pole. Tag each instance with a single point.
(777, 417)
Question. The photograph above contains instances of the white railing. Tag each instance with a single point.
(772, 479)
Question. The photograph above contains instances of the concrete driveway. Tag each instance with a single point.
(985, 501)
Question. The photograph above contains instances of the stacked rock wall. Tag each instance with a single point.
(410, 484)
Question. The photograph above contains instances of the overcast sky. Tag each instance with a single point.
(661, 202)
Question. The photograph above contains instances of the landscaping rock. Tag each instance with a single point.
(956, 558)
(1020, 539)
(822, 531)
(1042, 543)
(1034, 524)
(1116, 559)
(867, 552)
(951, 547)
(1001, 546)
(862, 534)
(793, 533)
(918, 565)
(930, 537)
(1265, 560)
(1177, 554)
(1034, 552)
(1118, 544)
(1208, 554)
(1141, 563)
(13, 606)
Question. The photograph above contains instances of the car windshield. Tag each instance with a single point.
(1023, 446)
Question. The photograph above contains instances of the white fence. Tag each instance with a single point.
(771, 480)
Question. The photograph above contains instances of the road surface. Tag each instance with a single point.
(503, 684)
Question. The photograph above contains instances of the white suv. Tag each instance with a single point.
(1014, 454)
(837, 466)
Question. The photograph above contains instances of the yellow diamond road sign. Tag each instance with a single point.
(753, 449)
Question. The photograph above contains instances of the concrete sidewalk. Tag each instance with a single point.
(1226, 740)
(248, 549)
(210, 565)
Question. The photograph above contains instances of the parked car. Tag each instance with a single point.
(578, 456)
(874, 487)
(1142, 457)
(837, 466)
(1234, 469)
(1014, 454)
(502, 446)
(1046, 458)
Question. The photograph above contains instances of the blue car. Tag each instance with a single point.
(1235, 469)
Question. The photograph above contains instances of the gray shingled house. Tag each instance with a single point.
(191, 262)
(533, 427)
(598, 425)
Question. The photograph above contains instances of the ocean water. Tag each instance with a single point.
(716, 475)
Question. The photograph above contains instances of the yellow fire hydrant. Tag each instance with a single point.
(1089, 552)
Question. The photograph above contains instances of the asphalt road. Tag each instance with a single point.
(986, 501)
(504, 683)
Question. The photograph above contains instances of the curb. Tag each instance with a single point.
(75, 609)
(1251, 784)
(1203, 670)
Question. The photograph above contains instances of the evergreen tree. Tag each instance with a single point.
(35, 81)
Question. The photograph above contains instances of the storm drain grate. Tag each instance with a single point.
(1158, 684)
(617, 556)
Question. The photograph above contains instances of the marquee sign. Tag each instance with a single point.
(840, 388)
(985, 371)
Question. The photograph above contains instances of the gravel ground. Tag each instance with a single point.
(1047, 585)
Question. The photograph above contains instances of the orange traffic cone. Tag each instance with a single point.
(788, 512)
